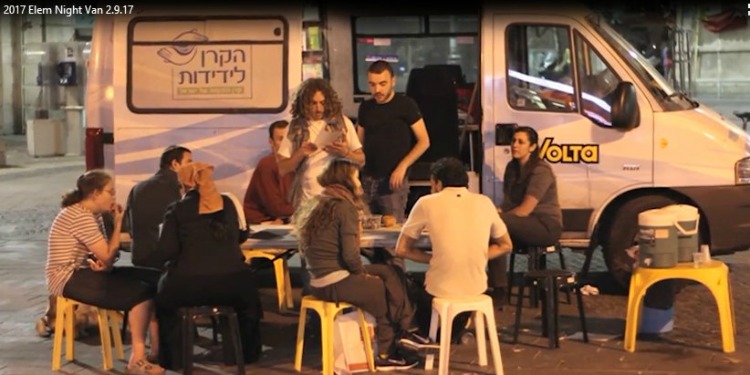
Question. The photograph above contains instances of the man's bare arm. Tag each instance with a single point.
(423, 143)
(405, 249)
(357, 156)
(499, 246)
(288, 165)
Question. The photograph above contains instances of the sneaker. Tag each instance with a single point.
(415, 341)
(393, 363)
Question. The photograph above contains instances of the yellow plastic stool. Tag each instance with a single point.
(444, 310)
(714, 275)
(281, 271)
(109, 321)
(327, 312)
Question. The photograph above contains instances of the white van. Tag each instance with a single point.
(619, 138)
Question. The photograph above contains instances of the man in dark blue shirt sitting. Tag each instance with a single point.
(148, 201)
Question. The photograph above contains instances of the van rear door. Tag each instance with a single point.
(209, 82)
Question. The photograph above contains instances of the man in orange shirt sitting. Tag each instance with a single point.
(266, 199)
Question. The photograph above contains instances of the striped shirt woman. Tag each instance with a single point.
(74, 231)
(80, 264)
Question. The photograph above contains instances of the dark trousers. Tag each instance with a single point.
(239, 290)
(423, 301)
(121, 288)
(380, 292)
(524, 231)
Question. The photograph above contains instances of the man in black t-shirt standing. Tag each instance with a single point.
(386, 123)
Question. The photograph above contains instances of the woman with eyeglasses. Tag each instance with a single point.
(80, 264)
(530, 207)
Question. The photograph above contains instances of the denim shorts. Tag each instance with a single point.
(382, 200)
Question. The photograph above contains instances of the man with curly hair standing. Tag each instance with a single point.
(318, 133)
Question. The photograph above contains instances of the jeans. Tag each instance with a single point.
(382, 200)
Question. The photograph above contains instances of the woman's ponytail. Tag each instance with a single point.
(72, 197)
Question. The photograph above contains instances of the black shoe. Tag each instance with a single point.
(394, 362)
(415, 341)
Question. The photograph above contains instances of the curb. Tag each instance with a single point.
(25, 171)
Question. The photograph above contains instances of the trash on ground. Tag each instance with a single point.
(592, 336)
(587, 290)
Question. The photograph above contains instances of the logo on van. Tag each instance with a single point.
(182, 52)
(570, 153)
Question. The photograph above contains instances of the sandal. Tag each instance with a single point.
(42, 327)
(144, 367)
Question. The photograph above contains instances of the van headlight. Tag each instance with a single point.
(742, 171)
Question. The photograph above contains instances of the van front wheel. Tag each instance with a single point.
(622, 234)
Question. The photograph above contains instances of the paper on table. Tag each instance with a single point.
(326, 137)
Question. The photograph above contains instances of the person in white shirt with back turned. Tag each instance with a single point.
(465, 231)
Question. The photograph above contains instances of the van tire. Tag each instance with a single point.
(621, 234)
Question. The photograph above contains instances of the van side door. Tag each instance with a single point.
(535, 86)
(559, 79)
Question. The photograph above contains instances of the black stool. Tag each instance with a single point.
(536, 260)
(550, 282)
(188, 315)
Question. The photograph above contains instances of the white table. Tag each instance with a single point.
(383, 237)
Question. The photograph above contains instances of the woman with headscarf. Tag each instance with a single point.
(200, 247)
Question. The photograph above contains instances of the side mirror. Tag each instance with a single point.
(625, 112)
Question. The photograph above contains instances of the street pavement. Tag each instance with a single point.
(29, 200)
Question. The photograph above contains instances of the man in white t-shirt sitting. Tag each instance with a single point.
(318, 133)
(465, 231)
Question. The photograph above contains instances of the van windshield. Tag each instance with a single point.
(671, 99)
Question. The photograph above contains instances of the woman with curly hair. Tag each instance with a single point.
(329, 233)
(318, 133)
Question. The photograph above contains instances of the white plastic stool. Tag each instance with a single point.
(443, 312)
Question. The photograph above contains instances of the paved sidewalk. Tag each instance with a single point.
(692, 348)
